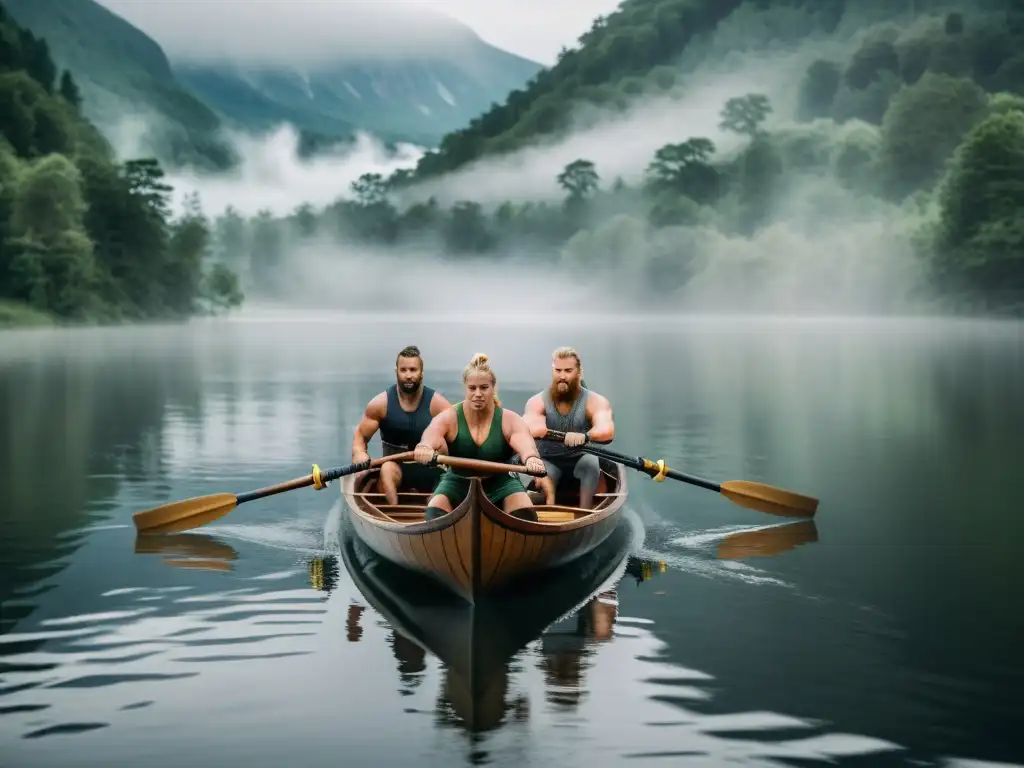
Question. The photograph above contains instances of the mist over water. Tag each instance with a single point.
(827, 246)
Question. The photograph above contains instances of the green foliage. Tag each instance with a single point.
(579, 179)
(116, 69)
(622, 55)
(923, 125)
(979, 246)
(745, 114)
(818, 89)
(684, 169)
(81, 237)
(69, 89)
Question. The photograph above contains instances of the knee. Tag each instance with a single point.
(390, 471)
(588, 469)
(431, 513)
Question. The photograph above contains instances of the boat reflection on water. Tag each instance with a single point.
(572, 610)
(477, 644)
(188, 550)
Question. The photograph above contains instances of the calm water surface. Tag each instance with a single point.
(892, 636)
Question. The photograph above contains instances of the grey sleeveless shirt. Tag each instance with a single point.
(576, 420)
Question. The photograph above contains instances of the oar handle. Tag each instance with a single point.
(555, 436)
(484, 466)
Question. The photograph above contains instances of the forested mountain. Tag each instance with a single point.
(884, 175)
(122, 72)
(887, 175)
(82, 237)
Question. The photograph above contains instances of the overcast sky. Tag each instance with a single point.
(535, 29)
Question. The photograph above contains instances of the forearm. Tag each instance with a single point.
(538, 427)
(435, 439)
(360, 443)
(523, 444)
(602, 432)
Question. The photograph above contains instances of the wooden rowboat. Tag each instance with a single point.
(478, 549)
(478, 642)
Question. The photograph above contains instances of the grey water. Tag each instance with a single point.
(890, 636)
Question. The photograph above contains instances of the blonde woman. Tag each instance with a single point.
(479, 428)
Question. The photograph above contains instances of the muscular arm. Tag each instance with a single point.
(442, 430)
(517, 433)
(600, 412)
(534, 417)
(439, 404)
(375, 411)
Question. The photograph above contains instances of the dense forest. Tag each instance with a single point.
(84, 238)
(892, 168)
(913, 121)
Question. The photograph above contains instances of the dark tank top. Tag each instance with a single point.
(494, 448)
(400, 430)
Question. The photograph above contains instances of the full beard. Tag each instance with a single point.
(410, 388)
(569, 395)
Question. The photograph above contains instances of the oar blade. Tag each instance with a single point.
(769, 541)
(768, 498)
(184, 515)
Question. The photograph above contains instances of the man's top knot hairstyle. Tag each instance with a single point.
(411, 351)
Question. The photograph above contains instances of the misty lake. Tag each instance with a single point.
(892, 635)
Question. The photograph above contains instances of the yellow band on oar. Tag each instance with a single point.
(660, 466)
(318, 482)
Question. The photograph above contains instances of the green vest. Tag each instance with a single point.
(495, 447)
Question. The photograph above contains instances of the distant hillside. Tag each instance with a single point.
(415, 99)
(121, 71)
(636, 52)
(85, 238)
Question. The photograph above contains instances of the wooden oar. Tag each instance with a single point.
(745, 493)
(484, 466)
(194, 512)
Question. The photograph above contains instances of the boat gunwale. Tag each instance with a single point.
(610, 505)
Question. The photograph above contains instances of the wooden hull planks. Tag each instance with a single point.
(478, 549)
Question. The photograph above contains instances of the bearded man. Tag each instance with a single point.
(401, 413)
(568, 406)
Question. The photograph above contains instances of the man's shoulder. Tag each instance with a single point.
(378, 403)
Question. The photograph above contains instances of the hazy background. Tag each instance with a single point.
(827, 248)
(807, 215)
(315, 29)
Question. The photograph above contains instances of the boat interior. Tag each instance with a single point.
(413, 501)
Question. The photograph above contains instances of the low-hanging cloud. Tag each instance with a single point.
(293, 33)
(828, 247)
(301, 32)
(272, 176)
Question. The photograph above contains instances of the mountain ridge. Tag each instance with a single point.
(123, 71)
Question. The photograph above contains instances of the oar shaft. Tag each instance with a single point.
(638, 463)
(764, 498)
(271, 490)
(484, 466)
(325, 476)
